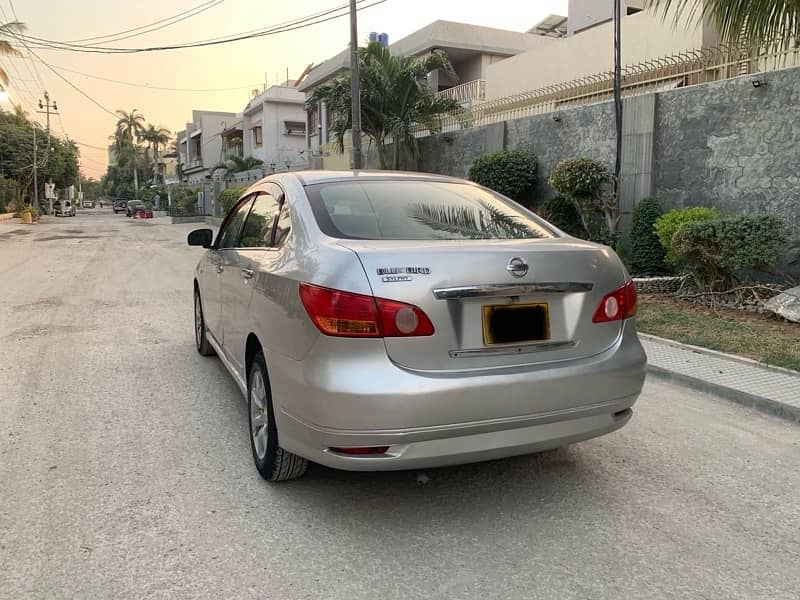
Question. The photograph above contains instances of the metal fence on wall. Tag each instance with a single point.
(689, 68)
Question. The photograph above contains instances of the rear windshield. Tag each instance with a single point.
(419, 210)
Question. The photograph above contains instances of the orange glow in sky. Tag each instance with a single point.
(241, 65)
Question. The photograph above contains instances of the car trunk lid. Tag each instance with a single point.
(487, 309)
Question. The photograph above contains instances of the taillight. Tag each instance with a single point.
(345, 314)
(619, 304)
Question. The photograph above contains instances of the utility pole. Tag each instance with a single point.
(45, 108)
(617, 99)
(35, 180)
(355, 88)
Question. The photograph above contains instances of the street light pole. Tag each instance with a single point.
(35, 177)
(355, 88)
(617, 98)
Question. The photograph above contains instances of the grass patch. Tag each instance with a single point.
(761, 337)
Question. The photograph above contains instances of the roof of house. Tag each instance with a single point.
(450, 36)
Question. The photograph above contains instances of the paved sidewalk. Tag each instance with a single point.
(771, 390)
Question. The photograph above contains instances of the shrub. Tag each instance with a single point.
(668, 224)
(647, 253)
(579, 178)
(562, 213)
(508, 172)
(229, 197)
(583, 181)
(717, 251)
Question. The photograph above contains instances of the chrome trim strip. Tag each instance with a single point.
(503, 289)
(509, 350)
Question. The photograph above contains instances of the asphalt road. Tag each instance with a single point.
(125, 469)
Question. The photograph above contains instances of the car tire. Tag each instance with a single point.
(201, 341)
(272, 462)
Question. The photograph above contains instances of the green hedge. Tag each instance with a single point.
(718, 251)
(647, 253)
(668, 224)
(229, 197)
(562, 213)
(508, 172)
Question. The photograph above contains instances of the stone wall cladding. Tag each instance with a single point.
(725, 144)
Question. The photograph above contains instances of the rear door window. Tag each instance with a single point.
(419, 210)
(258, 229)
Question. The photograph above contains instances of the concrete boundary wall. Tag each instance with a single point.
(727, 144)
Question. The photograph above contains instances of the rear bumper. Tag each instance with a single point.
(332, 400)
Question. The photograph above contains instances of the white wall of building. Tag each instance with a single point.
(271, 110)
(645, 36)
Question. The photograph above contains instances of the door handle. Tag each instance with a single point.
(220, 268)
(248, 273)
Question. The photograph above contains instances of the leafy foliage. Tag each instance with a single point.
(668, 224)
(58, 162)
(237, 164)
(647, 253)
(751, 20)
(583, 181)
(465, 221)
(7, 30)
(229, 197)
(716, 251)
(508, 172)
(562, 213)
(395, 98)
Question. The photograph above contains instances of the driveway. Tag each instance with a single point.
(125, 468)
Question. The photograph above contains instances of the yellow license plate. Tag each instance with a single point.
(516, 323)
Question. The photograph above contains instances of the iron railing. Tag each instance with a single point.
(466, 93)
(692, 67)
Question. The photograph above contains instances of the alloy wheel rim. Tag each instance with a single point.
(258, 415)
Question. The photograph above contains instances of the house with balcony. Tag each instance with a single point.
(580, 45)
(199, 145)
(272, 128)
(472, 49)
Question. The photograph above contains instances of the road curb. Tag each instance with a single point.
(718, 354)
(759, 403)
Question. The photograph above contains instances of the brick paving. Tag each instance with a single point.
(768, 389)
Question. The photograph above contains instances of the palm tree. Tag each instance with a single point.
(753, 21)
(130, 127)
(8, 30)
(155, 138)
(395, 99)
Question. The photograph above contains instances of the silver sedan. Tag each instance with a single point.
(379, 321)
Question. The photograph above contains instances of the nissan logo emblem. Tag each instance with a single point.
(517, 267)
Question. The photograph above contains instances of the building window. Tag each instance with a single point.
(313, 119)
(295, 127)
(257, 138)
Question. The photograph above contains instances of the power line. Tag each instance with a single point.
(75, 87)
(200, 8)
(154, 87)
(316, 19)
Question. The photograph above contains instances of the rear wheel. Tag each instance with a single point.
(273, 462)
(200, 339)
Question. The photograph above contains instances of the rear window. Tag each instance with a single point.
(419, 210)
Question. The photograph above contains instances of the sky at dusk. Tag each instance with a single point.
(242, 65)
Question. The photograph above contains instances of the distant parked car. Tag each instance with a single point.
(120, 206)
(63, 208)
(88, 204)
(133, 207)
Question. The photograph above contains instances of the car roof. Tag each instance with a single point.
(315, 177)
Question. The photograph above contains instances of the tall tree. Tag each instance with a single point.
(7, 30)
(753, 21)
(396, 98)
(130, 127)
(156, 137)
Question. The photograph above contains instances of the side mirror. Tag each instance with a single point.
(201, 237)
